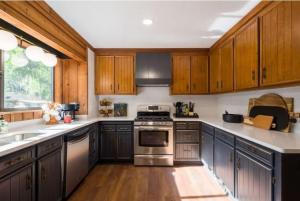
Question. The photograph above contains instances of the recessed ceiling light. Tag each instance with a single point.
(147, 22)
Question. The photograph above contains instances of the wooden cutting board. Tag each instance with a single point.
(263, 121)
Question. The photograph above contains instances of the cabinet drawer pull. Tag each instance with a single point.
(187, 150)
(14, 161)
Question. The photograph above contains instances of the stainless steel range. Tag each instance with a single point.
(153, 136)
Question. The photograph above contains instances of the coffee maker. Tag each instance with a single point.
(69, 108)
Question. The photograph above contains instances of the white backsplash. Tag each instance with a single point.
(204, 104)
(238, 102)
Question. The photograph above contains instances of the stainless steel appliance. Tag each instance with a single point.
(71, 109)
(77, 159)
(153, 136)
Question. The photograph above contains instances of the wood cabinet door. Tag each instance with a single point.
(124, 75)
(254, 180)
(215, 71)
(246, 56)
(199, 74)
(276, 41)
(49, 177)
(94, 146)
(104, 75)
(294, 71)
(124, 146)
(108, 145)
(22, 185)
(5, 189)
(208, 149)
(224, 163)
(181, 75)
(226, 66)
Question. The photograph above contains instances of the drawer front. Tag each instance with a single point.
(187, 125)
(263, 154)
(193, 125)
(187, 152)
(207, 128)
(49, 146)
(224, 136)
(108, 128)
(16, 160)
(181, 125)
(124, 128)
(187, 136)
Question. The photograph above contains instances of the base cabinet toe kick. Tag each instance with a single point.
(249, 171)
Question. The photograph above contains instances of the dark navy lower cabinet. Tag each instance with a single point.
(224, 163)
(208, 149)
(253, 179)
(116, 141)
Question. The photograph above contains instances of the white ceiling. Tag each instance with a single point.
(176, 24)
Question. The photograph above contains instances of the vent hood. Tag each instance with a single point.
(153, 69)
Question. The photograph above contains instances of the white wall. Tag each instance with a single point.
(204, 104)
(92, 99)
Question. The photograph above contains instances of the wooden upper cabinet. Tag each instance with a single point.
(181, 74)
(124, 75)
(215, 75)
(104, 75)
(199, 74)
(246, 56)
(226, 66)
(280, 44)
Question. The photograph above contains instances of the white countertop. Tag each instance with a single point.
(278, 141)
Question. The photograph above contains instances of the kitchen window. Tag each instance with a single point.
(25, 84)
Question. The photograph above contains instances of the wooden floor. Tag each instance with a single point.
(130, 183)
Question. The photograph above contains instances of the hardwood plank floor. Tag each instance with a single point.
(130, 183)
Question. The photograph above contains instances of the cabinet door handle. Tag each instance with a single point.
(43, 174)
(217, 84)
(264, 73)
(238, 164)
(28, 182)
(111, 88)
(194, 86)
(231, 157)
(253, 75)
(187, 87)
(221, 83)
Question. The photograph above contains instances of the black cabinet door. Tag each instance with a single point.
(108, 145)
(93, 152)
(49, 177)
(207, 149)
(224, 163)
(124, 146)
(254, 180)
(19, 186)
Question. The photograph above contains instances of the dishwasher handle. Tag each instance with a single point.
(76, 136)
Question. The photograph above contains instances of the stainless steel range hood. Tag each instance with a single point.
(153, 69)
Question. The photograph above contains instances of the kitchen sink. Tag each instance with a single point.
(18, 137)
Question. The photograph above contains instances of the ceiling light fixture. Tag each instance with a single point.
(34, 53)
(49, 59)
(8, 41)
(147, 22)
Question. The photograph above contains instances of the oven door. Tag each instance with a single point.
(153, 140)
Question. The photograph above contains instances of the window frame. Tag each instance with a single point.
(2, 74)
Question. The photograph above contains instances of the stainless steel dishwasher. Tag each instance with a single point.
(77, 159)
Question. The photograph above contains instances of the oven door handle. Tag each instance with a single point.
(152, 128)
